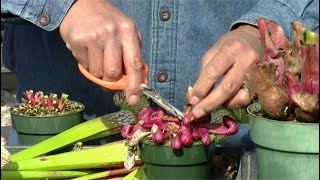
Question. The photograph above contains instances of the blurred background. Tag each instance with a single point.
(8, 79)
(8, 91)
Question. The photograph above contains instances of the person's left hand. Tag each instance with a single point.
(231, 57)
(106, 42)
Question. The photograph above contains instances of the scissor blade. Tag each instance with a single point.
(152, 93)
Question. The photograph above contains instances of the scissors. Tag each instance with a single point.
(120, 84)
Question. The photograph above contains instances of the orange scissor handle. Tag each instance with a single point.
(119, 84)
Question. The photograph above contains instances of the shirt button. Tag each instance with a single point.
(165, 14)
(44, 19)
(162, 76)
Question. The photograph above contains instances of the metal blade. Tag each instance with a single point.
(152, 93)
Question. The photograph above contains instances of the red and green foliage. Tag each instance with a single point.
(39, 104)
(166, 128)
(286, 81)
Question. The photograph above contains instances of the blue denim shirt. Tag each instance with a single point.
(41, 61)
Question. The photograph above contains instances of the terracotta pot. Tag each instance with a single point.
(285, 150)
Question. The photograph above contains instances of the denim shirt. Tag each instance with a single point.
(41, 61)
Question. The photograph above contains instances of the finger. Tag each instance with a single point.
(209, 74)
(81, 54)
(228, 87)
(140, 38)
(95, 55)
(241, 99)
(134, 65)
(208, 56)
(112, 64)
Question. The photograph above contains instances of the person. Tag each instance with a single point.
(209, 45)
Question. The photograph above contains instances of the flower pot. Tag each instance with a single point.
(162, 162)
(285, 150)
(34, 129)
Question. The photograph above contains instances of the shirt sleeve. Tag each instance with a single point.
(284, 12)
(46, 14)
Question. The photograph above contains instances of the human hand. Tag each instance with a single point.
(104, 40)
(231, 57)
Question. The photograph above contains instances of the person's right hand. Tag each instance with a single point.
(229, 59)
(104, 40)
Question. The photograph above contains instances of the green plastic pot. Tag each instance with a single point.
(162, 162)
(34, 129)
(285, 150)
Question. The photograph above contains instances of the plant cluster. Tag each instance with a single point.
(164, 128)
(286, 81)
(39, 104)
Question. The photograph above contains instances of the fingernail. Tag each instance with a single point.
(68, 46)
(194, 100)
(197, 112)
(133, 99)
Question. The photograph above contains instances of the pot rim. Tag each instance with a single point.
(50, 116)
(252, 105)
(168, 144)
(284, 136)
(165, 155)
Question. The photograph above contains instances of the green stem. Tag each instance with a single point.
(102, 126)
(15, 175)
(111, 155)
(104, 174)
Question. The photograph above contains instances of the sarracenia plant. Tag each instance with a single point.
(286, 81)
(39, 104)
